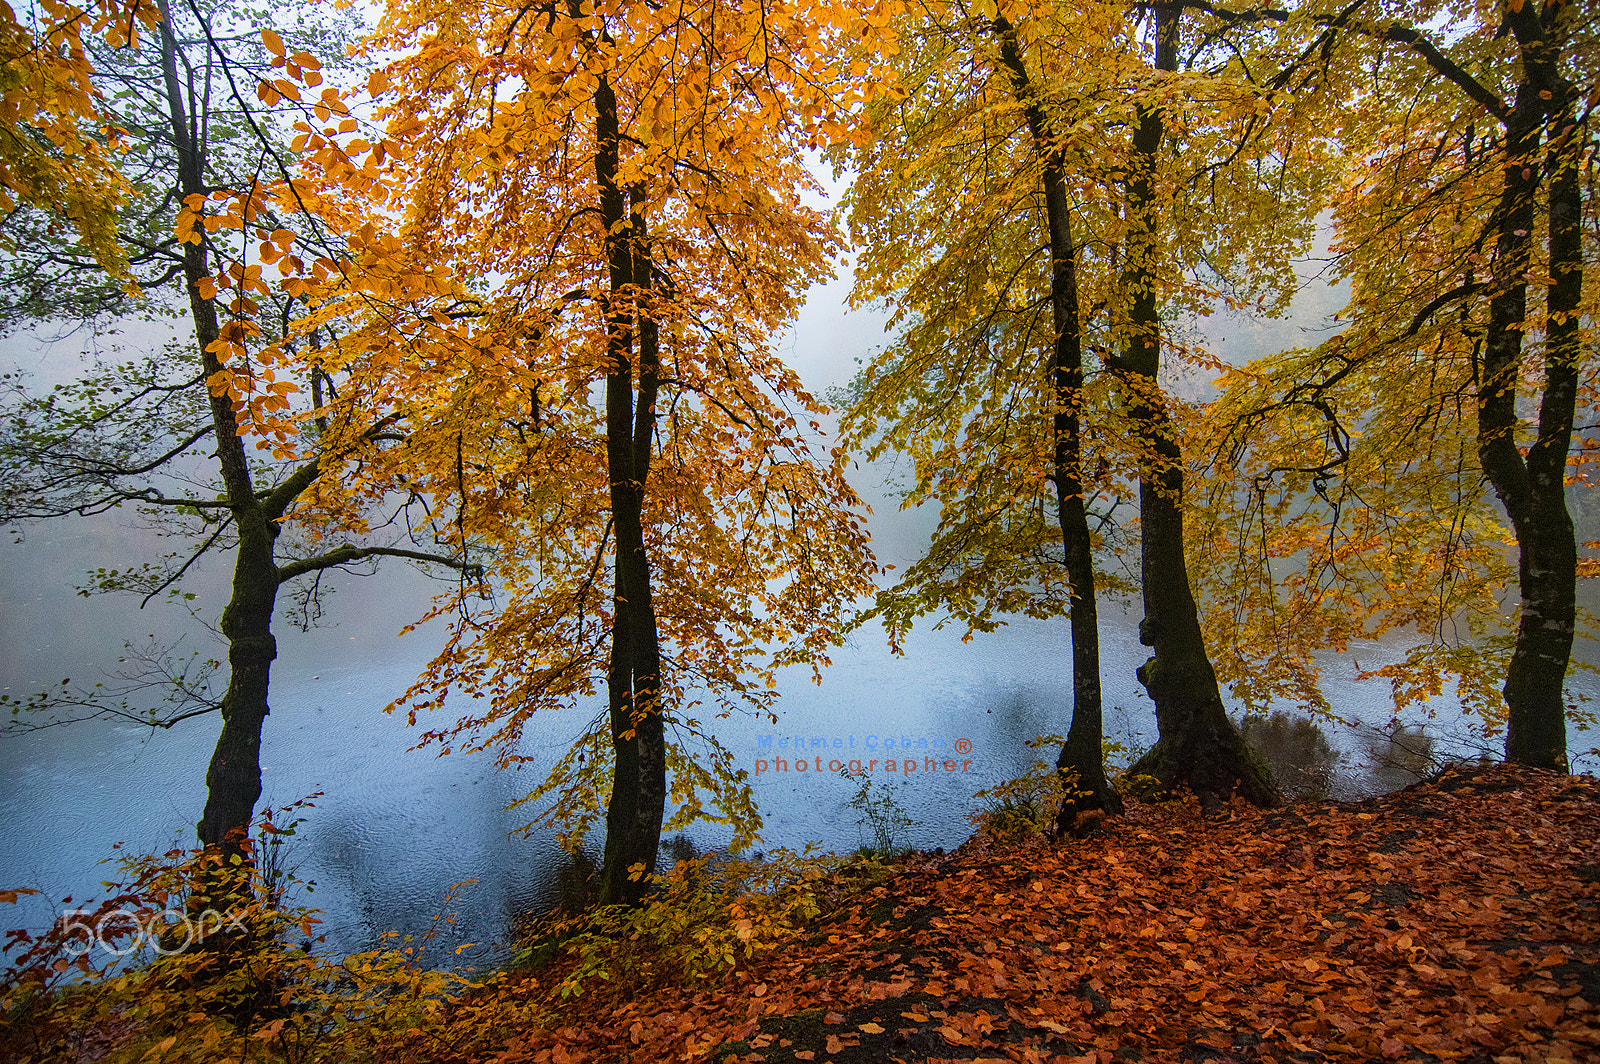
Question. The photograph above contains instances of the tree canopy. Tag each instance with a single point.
(577, 302)
(515, 279)
(1463, 220)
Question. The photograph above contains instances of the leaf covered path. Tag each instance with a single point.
(1456, 920)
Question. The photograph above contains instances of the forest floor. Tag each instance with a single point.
(1455, 920)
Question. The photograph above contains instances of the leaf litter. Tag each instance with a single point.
(1457, 920)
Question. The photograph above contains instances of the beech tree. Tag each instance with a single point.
(1456, 207)
(1042, 195)
(145, 433)
(964, 219)
(600, 230)
(1198, 744)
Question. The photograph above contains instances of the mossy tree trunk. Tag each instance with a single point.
(233, 779)
(1531, 484)
(1198, 744)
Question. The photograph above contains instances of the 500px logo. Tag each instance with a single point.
(160, 929)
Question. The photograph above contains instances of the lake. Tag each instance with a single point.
(394, 829)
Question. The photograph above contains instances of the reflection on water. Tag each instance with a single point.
(395, 830)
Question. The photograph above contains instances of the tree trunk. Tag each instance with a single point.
(1198, 745)
(1081, 762)
(633, 681)
(233, 779)
(1082, 759)
(1533, 489)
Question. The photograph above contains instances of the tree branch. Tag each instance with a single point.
(1395, 33)
(175, 577)
(346, 554)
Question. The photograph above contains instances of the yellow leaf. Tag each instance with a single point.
(273, 42)
(269, 1030)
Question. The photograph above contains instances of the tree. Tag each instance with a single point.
(1466, 197)
(1184, 189)
(140, 433)
(600, 230)
(965, 221)
(1082, 757)
(1531, 487)
(1198, 744)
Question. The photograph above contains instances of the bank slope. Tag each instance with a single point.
(1455, 920)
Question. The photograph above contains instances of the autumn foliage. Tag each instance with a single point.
(159, 971)
(533, 280)
(56, 148)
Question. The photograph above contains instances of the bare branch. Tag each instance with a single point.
(347, 554)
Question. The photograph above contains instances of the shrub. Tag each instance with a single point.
(1302, 760)
(880, 813)
(703, 919)
(1024, 805)
(129, 979)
